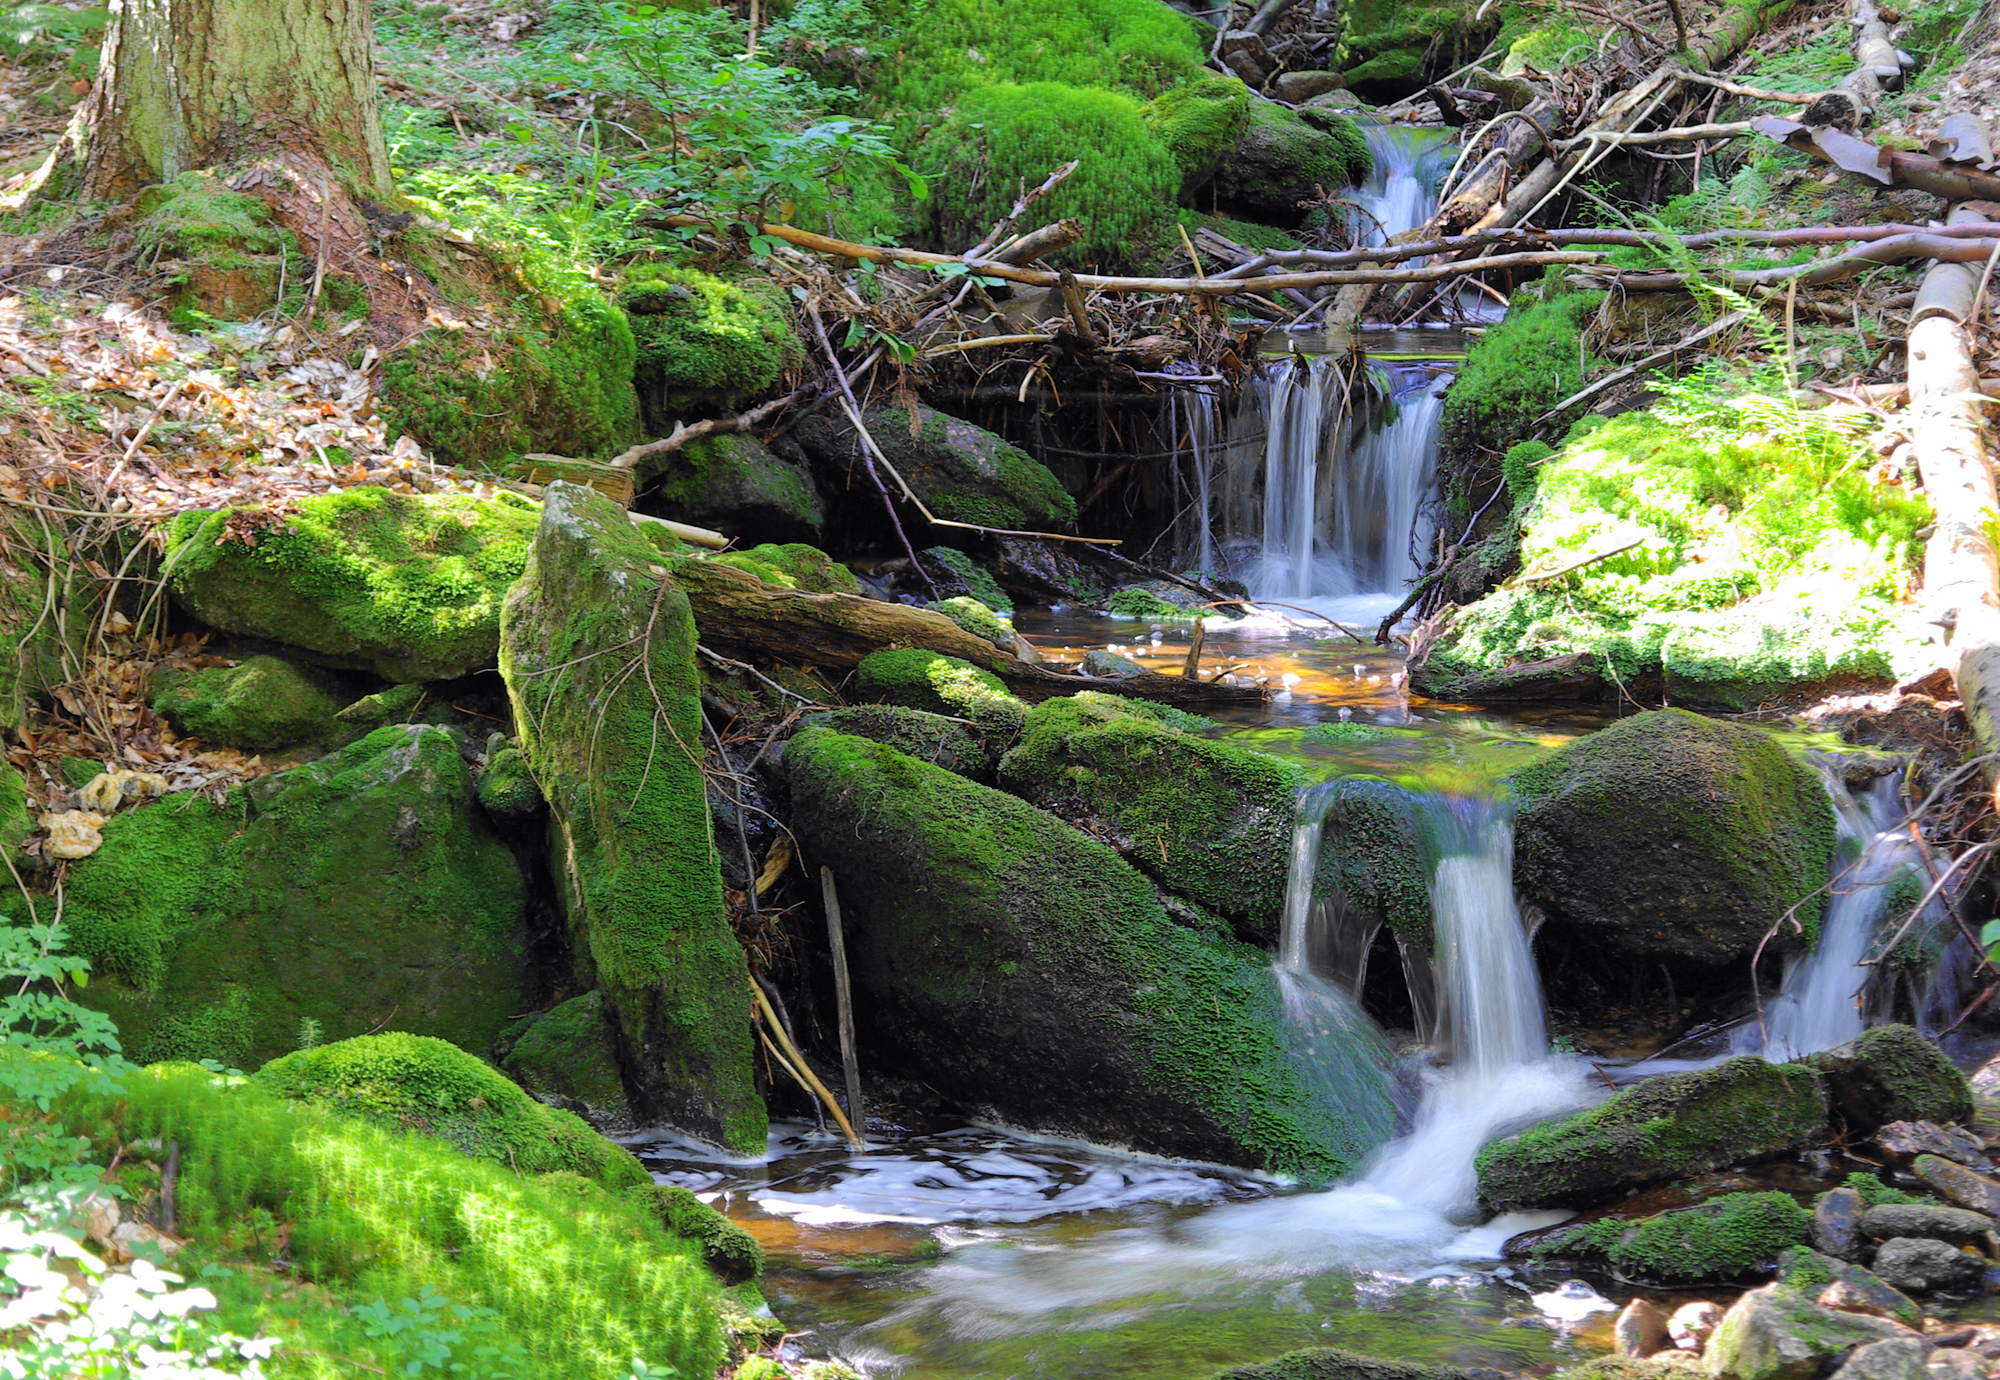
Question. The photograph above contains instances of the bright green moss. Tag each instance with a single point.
(705, 344)
(17, 821)
(1515, 372)
(730, 1251)
(262, 704)
(933, 738)
(223, 1031)
(1720, 1240)
(1199, 123)
(1001, 137)
(1210, 821)
(795, 566)
(406, 585)
(1282, 160)
(1376, 850)
(413, 1083)
(978, 581)
(566, 1056)
(1334, 1363)
(581, 1279)
(917, 679)
(977, 619)
(1136, 601)
(195, 217)
(1875, 1193)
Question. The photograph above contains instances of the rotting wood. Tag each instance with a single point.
(799, 1068)
(1887, 166)
(843, 997)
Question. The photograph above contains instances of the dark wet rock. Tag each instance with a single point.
(1774, 1333)
(568, 1058)
(1919, 1265)
(1737, 1112)
(1954, 1225)
(1336, 1363)
(1296, 88)
(1905, 1140)
(1641, 1330)
(1668, 835)
(1897, 1358)
(1892, 1073)
(1836, 1224)
(736, 486)
(1957, 1184)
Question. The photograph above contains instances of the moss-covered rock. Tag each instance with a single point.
(1779, 1333)
(1717, 1241)
(261, 704)
(1892, 1073)
(415, 1083)
(933, 738)
(597, 647)
(17, 820)
(568, 1058)
(1199, 123)
(1668, 1127)
(735, 485)
(507, 789)
(795, 566)
(1019, 968)
(1208, 821)
(1281, 160)
(730, 1251)
(405, 585)
(1377, 853)
(1671, 835)
(706, 345)
(1336, 1363)
(938, 684)
(977, 619)
(358, 890)
(961, 472)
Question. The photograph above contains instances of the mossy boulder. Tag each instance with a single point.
(568, 1058)
(962, 472)
(1717, 1241)
(706, 345)
(1200, 122)
(795, 566)
(729, 1250)
(1784, 647)
(1208, 821)
(415, 1083)
(1281, 161)
(1668, 835)
(1028, 973)
(939, 684)
(1337, 1363)
(933, 738)
(507, 789)
(359, 890)
(978, 619)
(1677, 1124)
(1778, 1332)
(258, 705)
(735, 485)
(405, 585)
(597, 647)
(1892, 1073)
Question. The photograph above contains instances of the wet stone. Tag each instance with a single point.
(1953, 1225)
(1693, 1324)
(1955, 1363)
(1845, 1297)
(1899, 1358)
(1110, 666)
(1640, 1330)
(1904, 1140)
(1919, 1265)
(1957, 1184)
(1836, 1223)
(1769, 1334)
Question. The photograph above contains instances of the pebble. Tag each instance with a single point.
(1640, 1330)
(1957, 1184)
(1693, 1323)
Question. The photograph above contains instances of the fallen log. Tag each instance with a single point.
(1896, 249)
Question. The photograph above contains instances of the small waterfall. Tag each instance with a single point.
(1827, 996)
(1401, 192)
(1492, 994)
(1297, 439)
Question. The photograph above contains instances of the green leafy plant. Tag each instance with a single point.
(430, 1334)
(51, 1044)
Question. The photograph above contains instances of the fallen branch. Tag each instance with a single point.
(1685, 134)
(717, 426)
(1895, 249)
(1575, 566)
(1658, 357)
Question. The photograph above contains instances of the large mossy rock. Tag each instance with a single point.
(1282, 161)
(1668, 835)
(414, 1083)
(1020, 969)
(357, 891)
(1337, 1363)
(405, 585)
(259, 705)
(1892, 1073)
(1210, 822)
(735, 485)
(938, 739)
(1200, 122)
(962, 472)
(705, 345)
(1724, 1239)
(597, 647)
(1738, 1112)
(1779, 1333)
(568, 1058)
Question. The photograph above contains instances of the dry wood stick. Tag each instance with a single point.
(1192, 666)
(843, 993)
(1019, 209)
(1618, 376)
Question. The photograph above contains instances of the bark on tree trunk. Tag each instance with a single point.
(191, 84)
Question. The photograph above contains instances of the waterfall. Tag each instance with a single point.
(1401, 192)
(1492, 995)
(1827, 996)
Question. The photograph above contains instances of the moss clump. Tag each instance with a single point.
(568, 1057)
(1282, 160)
(1023, 967)
(1199, 124)
(1515, 372)
(933, 738)
(1334, 1363)
(736, 483)
(1723, 1239)
(1341, 732)
(1136, 601)
(17, 821)
(224, 259)
(1875, 1193)
(978, 581)
(1667, 1127)
(1378, 853)
(1000, 137)
(261, 704)
(1209, 821)
(598, 651)
(917, 679)
(405, 585)
(1892, 1073)
(582, 1280)
(507, 789)
(413, 1083)
(796, 566)
(191, 911)
(977, 619)
(1671, 834)
(730, 1251)
(705, 344)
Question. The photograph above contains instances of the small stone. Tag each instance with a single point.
(1296, 88)
(1836, 1223)
(1920, 1264)
(1110, 666)
(1955, 1363)
(1693, 1324)
(1904, 1140)
(1953, 1225)
(1844, 1297)
(1955, 1183)
(1640, 1330)
(1899, 1358)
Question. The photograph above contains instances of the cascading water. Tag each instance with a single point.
(1826, 996)
(1409, 161)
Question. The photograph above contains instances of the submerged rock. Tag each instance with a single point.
(1020, 969)
(597, 647)
(405, 585)
(1668, 1127)
(1670, 835)
(1892, 1073)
